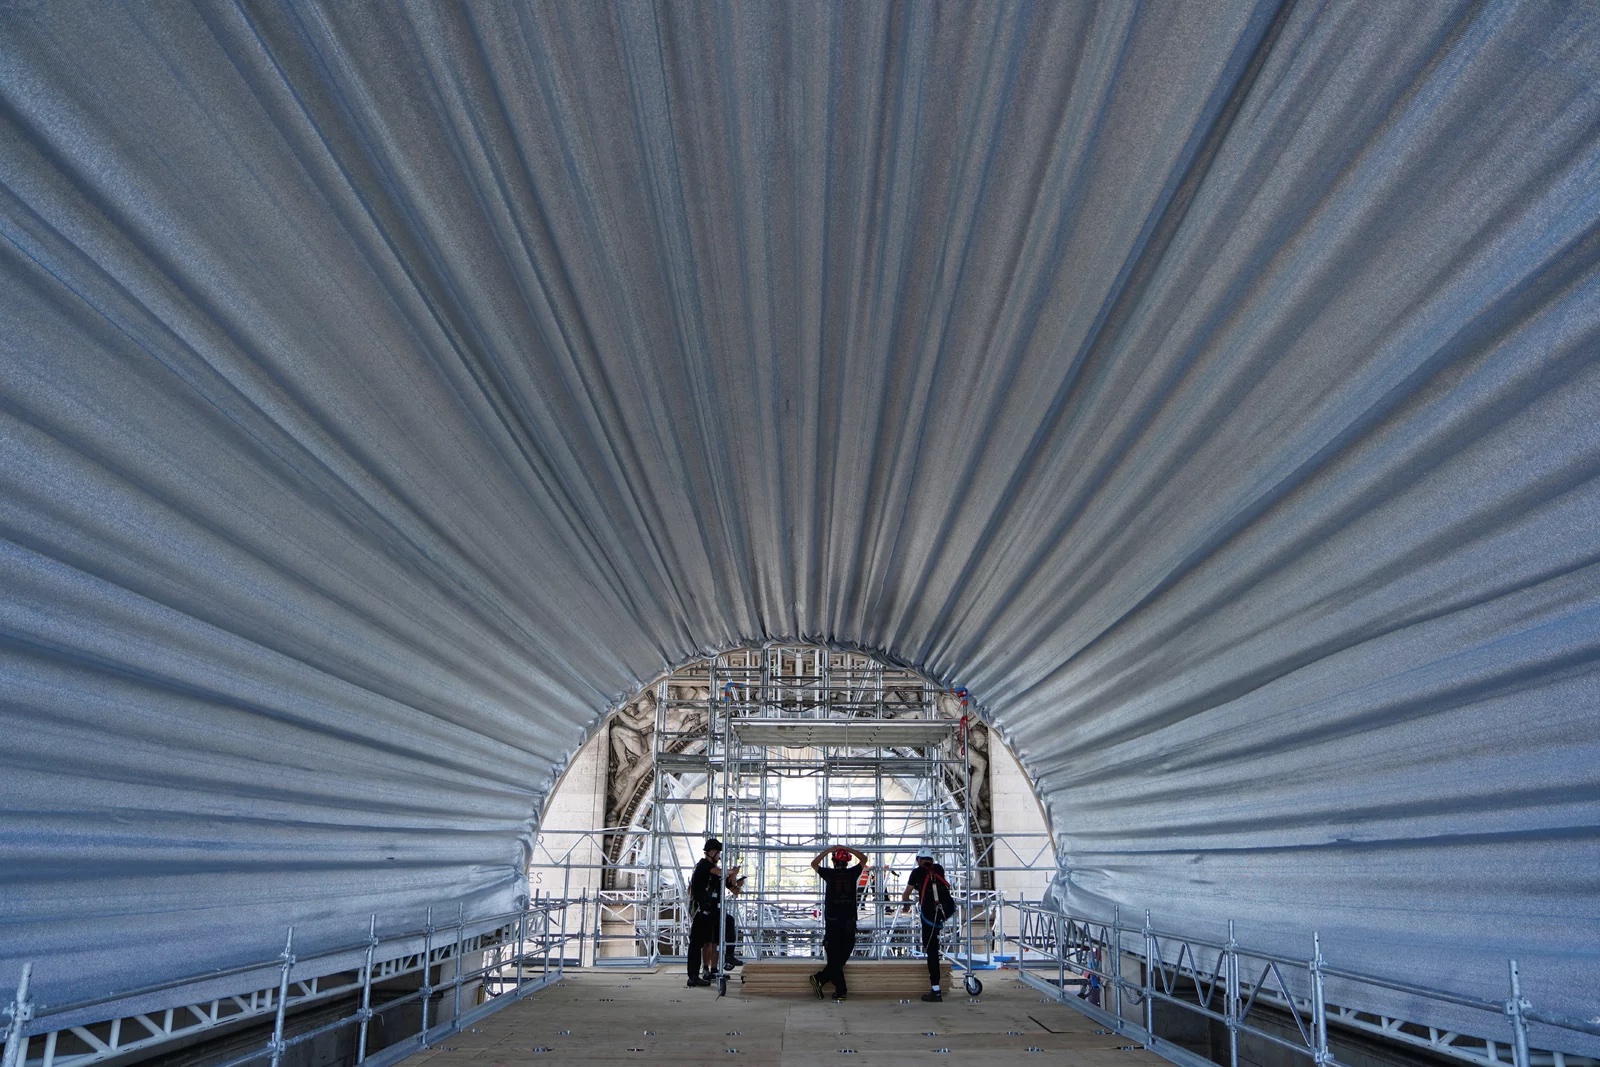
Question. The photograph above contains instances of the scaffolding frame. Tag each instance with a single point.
(883, 757)
(503, 957)
(1116, 971)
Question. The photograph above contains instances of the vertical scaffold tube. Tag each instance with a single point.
(1231, 1008)
(544, 939)
(366, 988)
(283, 997)
(1116, 961)
(566, 891)
(1061, 953)
(522, 936)
(725, 894)
(1516, 1008)
(1149, 983)
(427, 975)
(999, 939)
(1319, 1004)
(968, 853)
(17, 1029)
(658, 825)
(461, 929)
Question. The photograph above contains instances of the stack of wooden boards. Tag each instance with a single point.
(901, 979)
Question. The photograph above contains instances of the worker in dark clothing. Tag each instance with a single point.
(733, 882)
(935, 904)
(705, 906)
(838, 915)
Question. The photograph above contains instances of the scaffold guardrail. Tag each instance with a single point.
(1117, 973)
(524, 950)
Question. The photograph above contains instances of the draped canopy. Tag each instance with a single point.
(387, 390)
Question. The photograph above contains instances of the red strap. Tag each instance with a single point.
(922, 897)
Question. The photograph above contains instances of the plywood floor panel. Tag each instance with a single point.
(606, 1016)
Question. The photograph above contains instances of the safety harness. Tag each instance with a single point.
(922, 898)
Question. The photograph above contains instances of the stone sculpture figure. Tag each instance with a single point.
(629, 764)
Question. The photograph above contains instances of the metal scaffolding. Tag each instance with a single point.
(449, 975)
(784, 749)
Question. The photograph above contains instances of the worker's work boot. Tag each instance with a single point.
(935, 997)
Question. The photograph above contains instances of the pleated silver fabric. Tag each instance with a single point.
(387, 390)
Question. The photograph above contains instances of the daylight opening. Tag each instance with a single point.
(781, 751)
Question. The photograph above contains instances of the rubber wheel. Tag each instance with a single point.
(974, 987)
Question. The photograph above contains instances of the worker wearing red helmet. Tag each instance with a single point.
(838, 914)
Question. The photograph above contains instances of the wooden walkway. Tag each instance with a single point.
(596, 1017)
(878, 979)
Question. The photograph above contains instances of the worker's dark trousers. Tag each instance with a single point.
(838, 941)
(702, 931)
(728, 939)
(930, 945)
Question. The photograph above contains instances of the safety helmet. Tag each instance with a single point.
(924, 853)
(841, 855)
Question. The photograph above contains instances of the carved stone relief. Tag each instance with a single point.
(629, 764)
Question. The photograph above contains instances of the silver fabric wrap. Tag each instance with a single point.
(386, 391)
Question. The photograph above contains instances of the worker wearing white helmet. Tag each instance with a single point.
(935, 904)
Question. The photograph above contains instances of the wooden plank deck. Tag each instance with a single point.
(610, 1017)
(890, 979)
